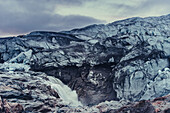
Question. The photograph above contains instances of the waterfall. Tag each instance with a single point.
(65, 93)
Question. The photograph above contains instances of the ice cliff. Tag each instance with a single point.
(121, 60)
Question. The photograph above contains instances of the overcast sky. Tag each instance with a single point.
(23, 16)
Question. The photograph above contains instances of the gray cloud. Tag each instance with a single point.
(22, 16)
(144, 8)
(19, 16)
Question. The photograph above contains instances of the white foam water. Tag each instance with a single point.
(65, 93)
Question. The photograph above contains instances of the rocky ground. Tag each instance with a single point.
(123, 60)
(158, 105)
(31, 92)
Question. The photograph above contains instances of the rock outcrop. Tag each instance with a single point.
(6, 107)
(125, 59)
(29, 89)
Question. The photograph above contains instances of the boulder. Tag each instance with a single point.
(7, 107)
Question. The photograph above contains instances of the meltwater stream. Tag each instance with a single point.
(69, 96)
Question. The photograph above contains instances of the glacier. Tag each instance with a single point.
(124, 60)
